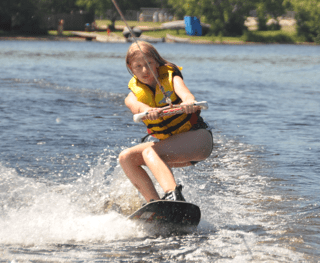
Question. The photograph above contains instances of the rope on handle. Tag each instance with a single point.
(170, 111)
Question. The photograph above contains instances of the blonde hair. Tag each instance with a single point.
(150, 52)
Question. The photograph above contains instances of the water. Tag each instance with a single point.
(63, 123)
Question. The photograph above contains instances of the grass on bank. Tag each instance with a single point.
(285, 35)
(105, 23)
(51, 33)
(277, 36)
(64, 33)
(280, 36)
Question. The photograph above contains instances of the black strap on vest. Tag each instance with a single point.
(170, 129)
(173, 128)
(164, 122)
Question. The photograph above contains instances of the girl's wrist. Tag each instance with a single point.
(188, 102)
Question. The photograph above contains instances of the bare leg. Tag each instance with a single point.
(131, 161)
(159, 169)
(176, 151)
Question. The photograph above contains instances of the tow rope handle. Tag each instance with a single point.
(175, 109)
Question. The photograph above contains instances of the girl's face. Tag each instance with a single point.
(140, 68)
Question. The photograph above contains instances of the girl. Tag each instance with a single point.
(184, 139)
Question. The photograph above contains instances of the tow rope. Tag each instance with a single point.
(165, 94)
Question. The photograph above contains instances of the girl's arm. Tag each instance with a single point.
(184, 94)
(180, 89)
(136, 107)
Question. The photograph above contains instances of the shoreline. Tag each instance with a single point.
(41, 38)
(195, 42)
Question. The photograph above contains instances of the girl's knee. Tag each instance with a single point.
(148, 153)
(124, 156)
(205, 143)
(131, 157)
(209, 145)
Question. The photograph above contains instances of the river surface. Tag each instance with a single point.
(63, 123)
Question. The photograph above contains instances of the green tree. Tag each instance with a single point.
(225, 16)
(308, 19)
(99, 7)
(6, 11)
(24, 15)
(269, 9)
(58, 6)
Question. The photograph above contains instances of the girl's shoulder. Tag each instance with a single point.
(173, 70)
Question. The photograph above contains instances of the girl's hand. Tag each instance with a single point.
(153, 114)
(188, 107)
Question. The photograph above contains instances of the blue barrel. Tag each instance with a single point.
(193, 26)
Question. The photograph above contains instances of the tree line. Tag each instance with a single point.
(226, 17)
(26, 15)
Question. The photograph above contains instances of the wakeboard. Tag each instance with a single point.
(163, 212)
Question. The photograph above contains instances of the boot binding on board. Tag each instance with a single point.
(174, 195)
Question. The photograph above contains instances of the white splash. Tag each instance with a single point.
(33, 213)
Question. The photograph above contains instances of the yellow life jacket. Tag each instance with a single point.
(165, 126)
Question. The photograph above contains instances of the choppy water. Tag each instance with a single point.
(63, 123)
